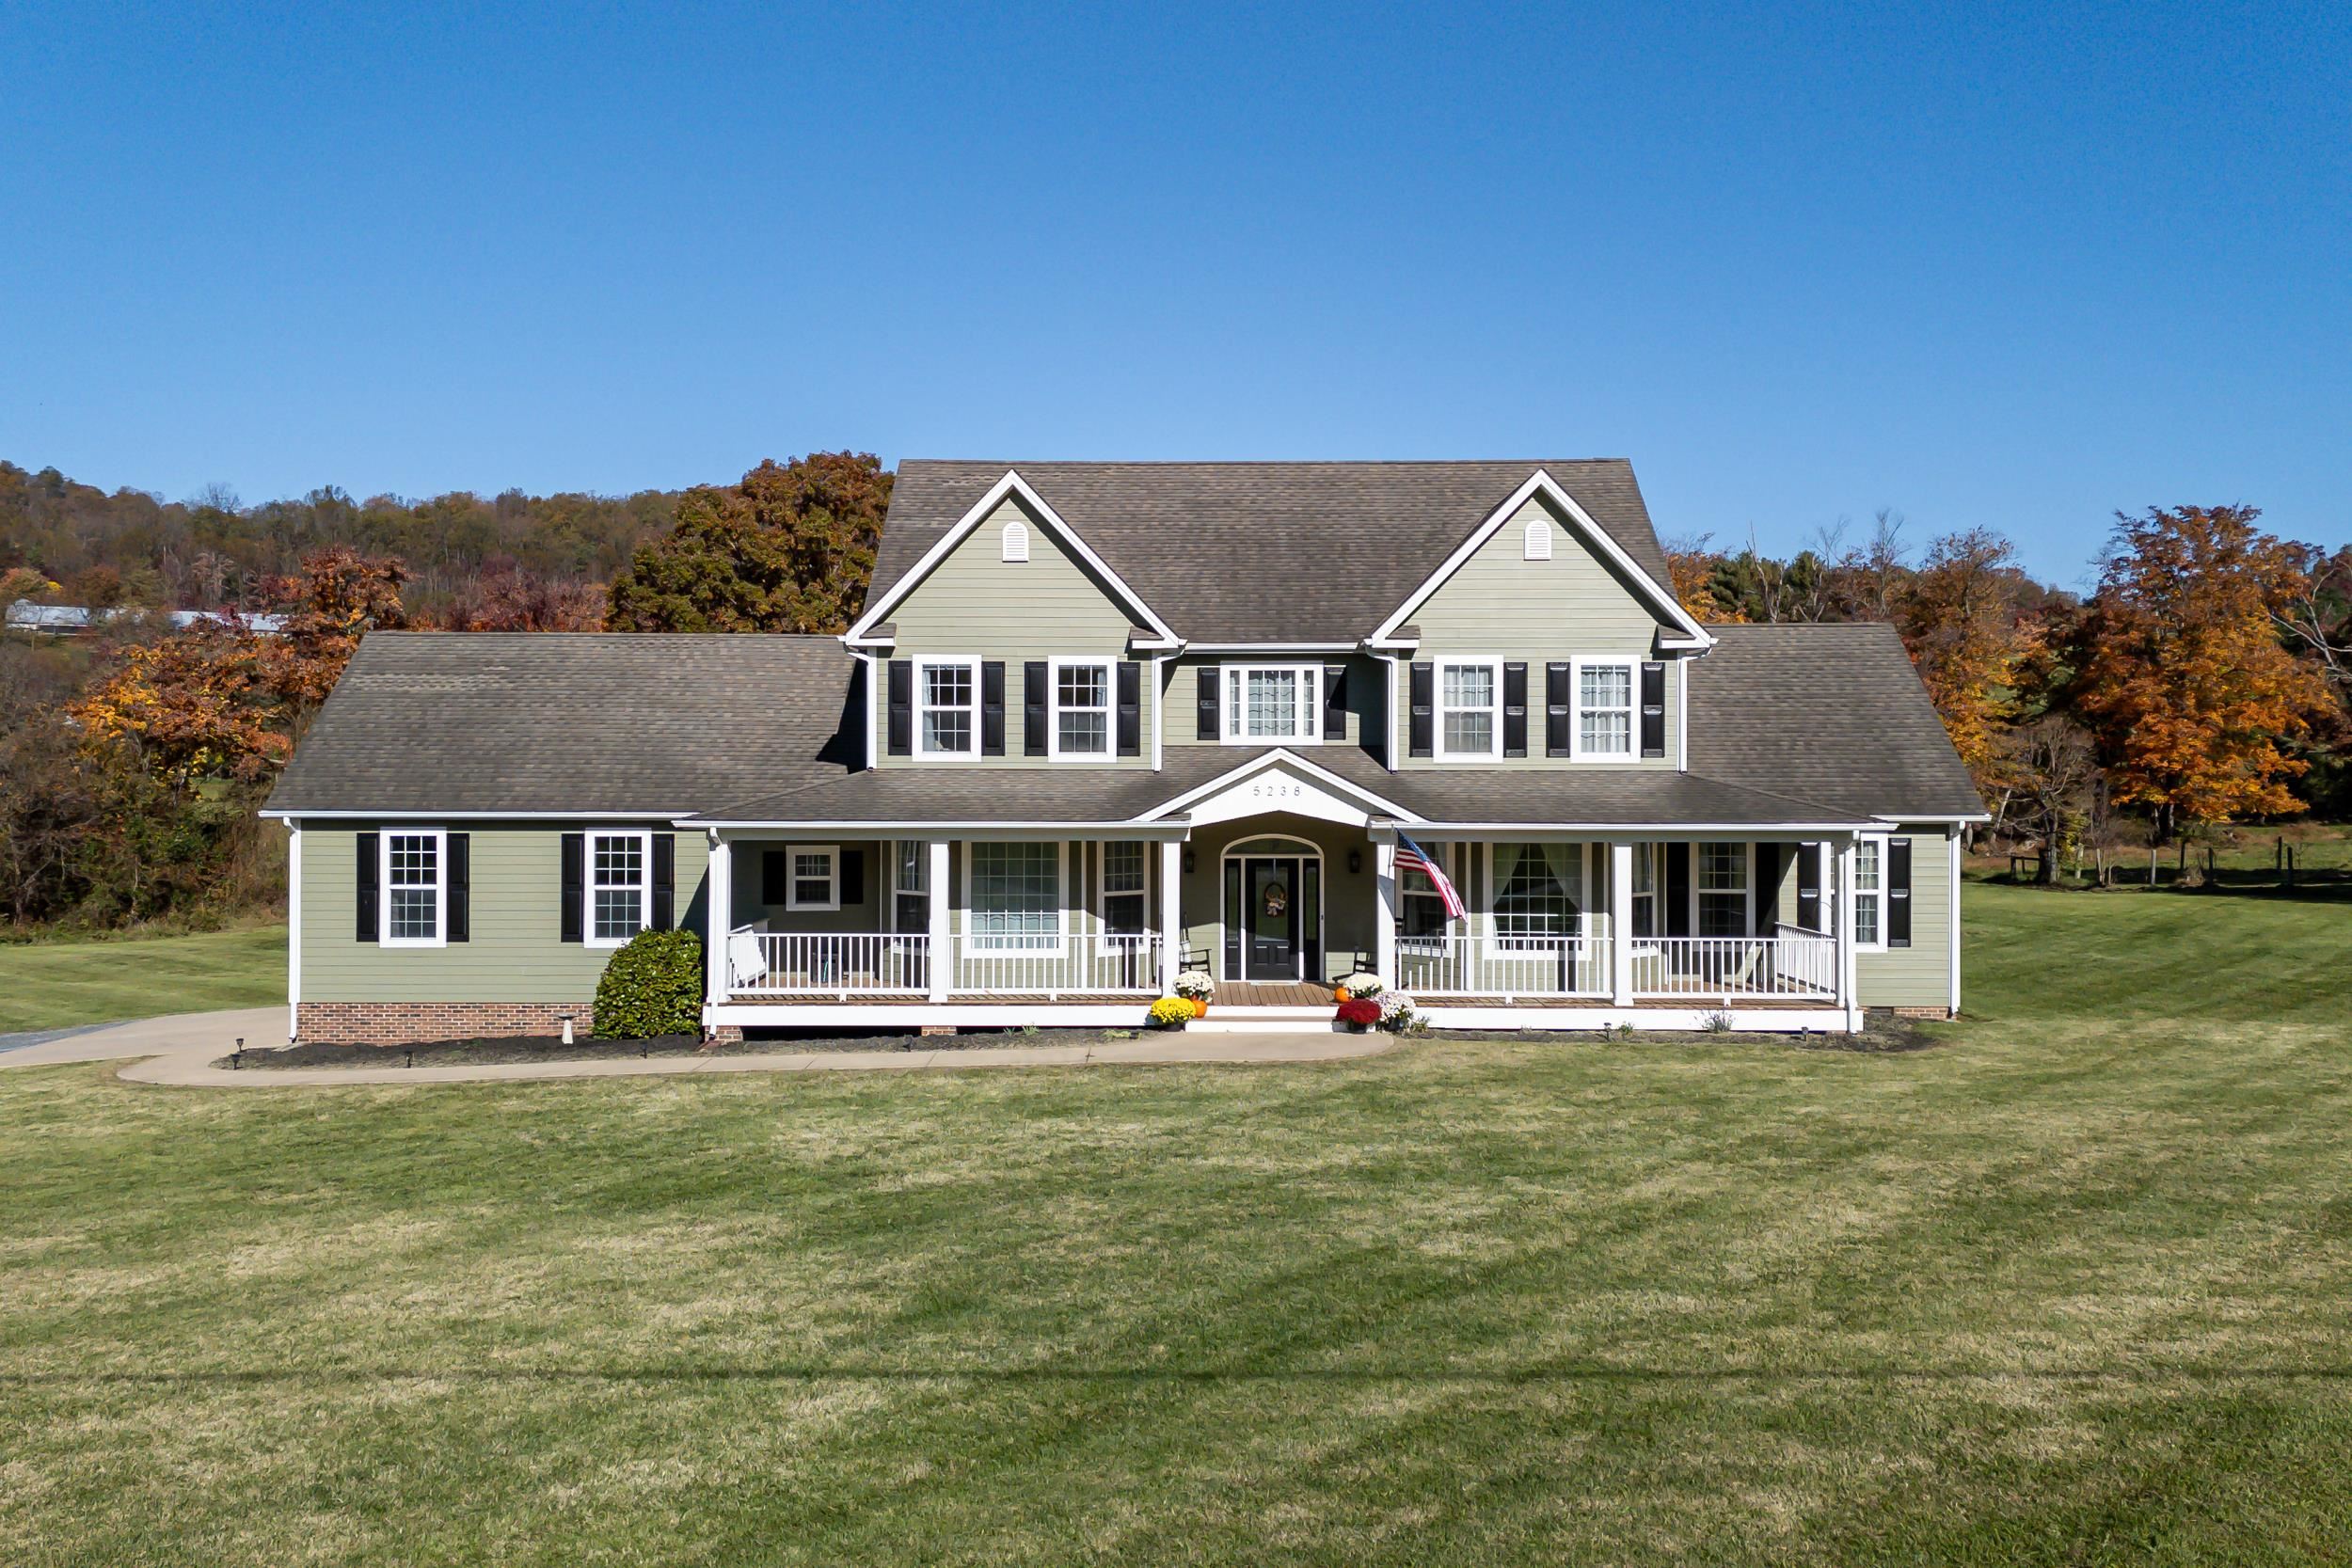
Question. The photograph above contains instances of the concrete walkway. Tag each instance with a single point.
(178, 1051)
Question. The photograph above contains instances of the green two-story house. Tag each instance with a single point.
(1104, 724)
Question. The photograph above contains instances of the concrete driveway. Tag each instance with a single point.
(176, 1033)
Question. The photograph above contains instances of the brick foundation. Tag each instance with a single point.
(1921, 1012)
(408, 1023)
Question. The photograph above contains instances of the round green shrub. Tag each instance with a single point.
(652, 985)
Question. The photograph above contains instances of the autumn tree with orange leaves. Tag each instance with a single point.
(2188, 683)
(1962, 618)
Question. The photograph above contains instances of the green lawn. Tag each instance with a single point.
(2074, 1288)
(54, 984)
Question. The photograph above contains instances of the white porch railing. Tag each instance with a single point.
(847, 964)
(1736, 967)
(779, 963)
(1079, 964)
(1508, 967)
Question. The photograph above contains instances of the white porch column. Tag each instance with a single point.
(1172, 913)
(293, 930)
(718, 920)
(1951, 851)
(1620, 923)
(941, 953)
(1384, 925)
(1849, 994)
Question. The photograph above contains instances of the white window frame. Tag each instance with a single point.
(971, 666)
(383, 887)
(1877, 896)
(1053, 709)
(1307, 692)
(1498, 946)
(645, 886)
(792, 901)
(1451, 863)
(1038, 942)
(1106, 941)
(1437, 708)
(1700, 892)
(1578, 751)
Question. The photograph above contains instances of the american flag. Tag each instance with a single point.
(1411, 857)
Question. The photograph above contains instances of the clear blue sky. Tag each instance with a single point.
(2015, 270)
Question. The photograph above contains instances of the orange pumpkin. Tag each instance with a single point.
(1341, 995)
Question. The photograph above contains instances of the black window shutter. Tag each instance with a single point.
(852, 877)
(1204, 700)
(1809, 859)
(1335, 702)
(1899, 893)
(901, 707)
(1515, 710)
(1130, 708)
(1034, 675)
(1678, 890)
(775, 873)
(575, 871)
(458, 897)
(1767, 900)
(1424, 730)
(1653, 709)
(368, 850)
(664, 882)
(993, 709)
(1559, 710)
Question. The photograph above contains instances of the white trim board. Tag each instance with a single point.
(862, 634)
(1594, 537)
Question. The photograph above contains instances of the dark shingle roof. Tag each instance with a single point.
(1833, 713)
(1249, 552)
(1788, 724)
(484, 722)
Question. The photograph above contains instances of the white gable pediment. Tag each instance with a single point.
(1281, 781)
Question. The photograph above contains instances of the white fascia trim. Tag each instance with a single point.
(1012, 483)
(1259, 765)
(1636, 829)
(410, 814)
(1596, 537)
(1928, 817)
(1270, 647)
(1170, 829)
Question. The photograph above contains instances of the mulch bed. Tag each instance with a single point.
(500, 1049)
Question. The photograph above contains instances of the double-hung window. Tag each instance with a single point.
(1470, 707)
(1016, 896)
(618, 877)
(1722, 890)
(1082, 708)
(1419, 908)
(1869, 893)
(1126, 884)
(1604, 708)
(1645, 891)
(947, 703)
(1538, 890)
(1269, 702)
(911, 887)
(812, 879)
(415, 890)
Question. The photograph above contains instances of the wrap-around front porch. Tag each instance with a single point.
(1555, 931)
